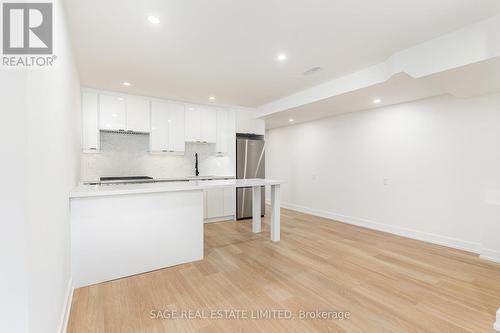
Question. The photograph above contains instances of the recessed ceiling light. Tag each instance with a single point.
(291, 120)
(211, 98)
(377, 101)
(126, 84)
(281, 57)
(153, 19)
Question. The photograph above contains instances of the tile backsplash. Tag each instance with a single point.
(127, 155)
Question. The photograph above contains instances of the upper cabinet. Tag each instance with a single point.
(247, 123)
(208, 125)
(225, 131)
(112, 113)
(167, 127)
(117, 113)
(170, 124)
(201, 124)
(90, 122)
(137, 112)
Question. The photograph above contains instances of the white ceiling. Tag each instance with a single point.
(227, 48)
(463, 82)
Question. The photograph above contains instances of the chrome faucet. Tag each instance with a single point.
(197, 172)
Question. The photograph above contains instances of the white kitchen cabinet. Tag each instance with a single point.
(229, 202)
(215, 203)
(90, 122)
(201, 124)
(247, 123)
(167, 127)
(112, 113)
(193, 123)
(223, 132)
(219, 204)
(176, 121)
(137, 114)
(208, 125)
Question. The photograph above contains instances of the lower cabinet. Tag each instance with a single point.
(219, 204)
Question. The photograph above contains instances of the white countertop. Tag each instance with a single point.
(169, 179)
(82, 191)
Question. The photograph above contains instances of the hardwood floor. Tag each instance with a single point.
(387, 283)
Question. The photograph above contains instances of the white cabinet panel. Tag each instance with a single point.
(193, 123)
(90, 122)
(259, 126)
(201, 124)
(219, 202)
(248, 124)
(138, 119)
(159, 137)
(176, 121)
(209, 125)
(215, 203)
(167, 127)
(229, 201)
(222, 132)
(112, 114)
(225, 131)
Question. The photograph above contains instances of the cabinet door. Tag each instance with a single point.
(259, 126)
(176, 121)
(229, 201)
(90, 122)
(112, 114)
(222, 132)
(209, 125)
(159, 137)
(215, 203)
(193, 123)
(138, 119)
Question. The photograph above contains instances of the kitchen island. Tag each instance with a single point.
(123, 230)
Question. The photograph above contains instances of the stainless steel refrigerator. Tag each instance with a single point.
(250, 163)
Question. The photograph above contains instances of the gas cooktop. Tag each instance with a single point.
(126, 180)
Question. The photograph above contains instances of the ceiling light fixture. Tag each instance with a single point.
(291, 120)
(153, 19)
(126, 84)
(212, 98)
(377, 101)
(281, 57)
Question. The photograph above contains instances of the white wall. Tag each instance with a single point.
(420, 169)
(13, 240)
(127, 155)
(43, 148)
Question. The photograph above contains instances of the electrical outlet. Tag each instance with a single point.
(386, 182)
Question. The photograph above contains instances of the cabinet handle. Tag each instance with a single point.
(164, 151)
(93, 148)
(121, 130)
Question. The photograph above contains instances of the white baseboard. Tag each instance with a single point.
(219, 219)
(490, 255)
(496, 326)
(63, 326)
(409, 233)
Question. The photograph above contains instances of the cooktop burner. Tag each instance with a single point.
(126, 180)
(107, 179)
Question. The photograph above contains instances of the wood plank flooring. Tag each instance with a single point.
(387, 283)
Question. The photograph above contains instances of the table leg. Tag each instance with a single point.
(256, 209)
(275, 213)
